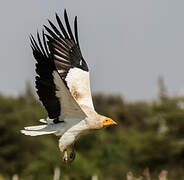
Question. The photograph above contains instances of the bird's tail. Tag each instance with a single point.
(38, 130)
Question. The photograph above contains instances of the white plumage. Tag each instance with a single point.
(78, 81)
(63, 86)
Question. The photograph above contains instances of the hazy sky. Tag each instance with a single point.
(127, 43)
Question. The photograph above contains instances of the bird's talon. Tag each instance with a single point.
(65, 160)
(72, 155)
(65, 156)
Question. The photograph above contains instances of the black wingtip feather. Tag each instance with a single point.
(45, 43)
(31, 47)
(48, 37)
(64, 43)
(68, 26)
(46, 88)
(50, 32)
(76, 30)
(55, 29)
(62, 27)
(34, 44)
(40, 43)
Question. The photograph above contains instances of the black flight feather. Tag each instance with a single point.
(45, 85)
(76, 30)
(55, 29)
(64, 47)
(62, 27)
(58, 50)
(45, 44)
(68, 26)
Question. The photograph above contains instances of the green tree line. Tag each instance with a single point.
(149, 134)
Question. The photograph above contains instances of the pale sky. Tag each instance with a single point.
(126, 43)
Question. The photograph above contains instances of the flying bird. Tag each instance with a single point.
(63, 86)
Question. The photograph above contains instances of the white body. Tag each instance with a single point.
(63, 87)
(71, 135)
(77, 110)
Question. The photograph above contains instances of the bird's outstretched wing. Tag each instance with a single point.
(72, 68)
(51, 89)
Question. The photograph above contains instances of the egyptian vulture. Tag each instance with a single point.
(63, 86)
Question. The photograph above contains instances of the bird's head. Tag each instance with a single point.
(108, 122)
(100, 122)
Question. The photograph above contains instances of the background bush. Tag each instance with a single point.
(149, 134)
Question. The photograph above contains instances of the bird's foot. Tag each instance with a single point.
(73, 153)
(65, 156)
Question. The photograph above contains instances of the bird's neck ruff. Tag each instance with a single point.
(94, 121)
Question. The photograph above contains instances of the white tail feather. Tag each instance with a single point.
(43, 121)
(44, 129)
(35, 127)
(35, 133)
(38, 130)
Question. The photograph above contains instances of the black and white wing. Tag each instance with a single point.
(51, 89)
(72, 68)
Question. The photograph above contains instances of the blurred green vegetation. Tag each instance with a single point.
(149, 134)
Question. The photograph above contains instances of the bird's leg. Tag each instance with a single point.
(65, 156)
(73, 153)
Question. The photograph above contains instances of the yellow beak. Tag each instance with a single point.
(108, 122)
